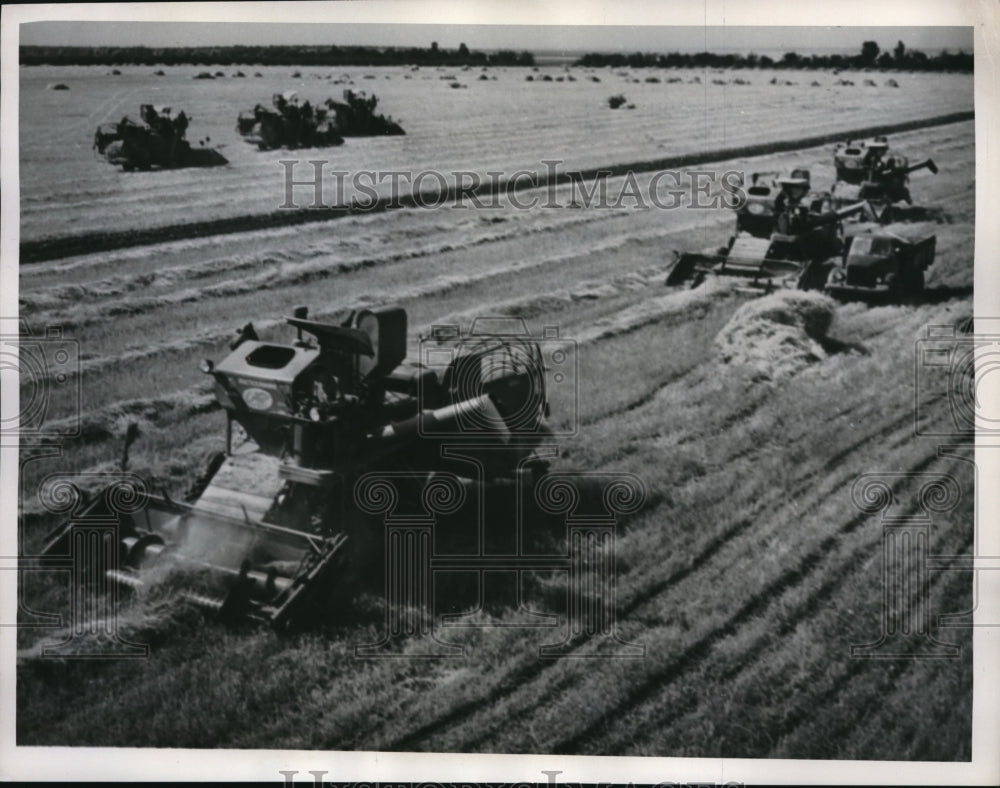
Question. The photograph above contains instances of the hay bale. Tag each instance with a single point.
(777, 335)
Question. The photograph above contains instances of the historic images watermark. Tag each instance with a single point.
(41, 365)
(590, 506)
(89, 552)
(906, 586)
(318, 185)
(492, 444)
(44, 367)
(955, 397)
(318, 778)
(499, 360)
(959, 365)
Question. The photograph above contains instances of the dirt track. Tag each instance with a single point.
(746, 579)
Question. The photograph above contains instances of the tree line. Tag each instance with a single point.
(870, 57)
(270, 56)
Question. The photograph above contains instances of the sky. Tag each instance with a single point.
(610, 38)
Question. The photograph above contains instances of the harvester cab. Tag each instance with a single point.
(266, 528)
(854, 158)
(765, 198)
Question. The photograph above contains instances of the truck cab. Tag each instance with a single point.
(882, 264)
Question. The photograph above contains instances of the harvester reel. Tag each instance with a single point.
(492, 360)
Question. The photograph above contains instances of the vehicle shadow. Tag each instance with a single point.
(834, 346)
(204, 157)
(930, 295)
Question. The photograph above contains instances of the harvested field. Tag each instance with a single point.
(63, 193)
(749, 573)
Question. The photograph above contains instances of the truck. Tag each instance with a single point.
(881, 264)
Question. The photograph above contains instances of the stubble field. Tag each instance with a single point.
(746, 577)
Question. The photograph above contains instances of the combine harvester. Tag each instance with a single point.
(853, 158)
(355, 117)
(796, 254)
(289, 124)
(868, 171)
(272, 528)
(156, 140)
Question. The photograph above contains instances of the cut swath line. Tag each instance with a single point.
(437, 286)
(284, 268)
